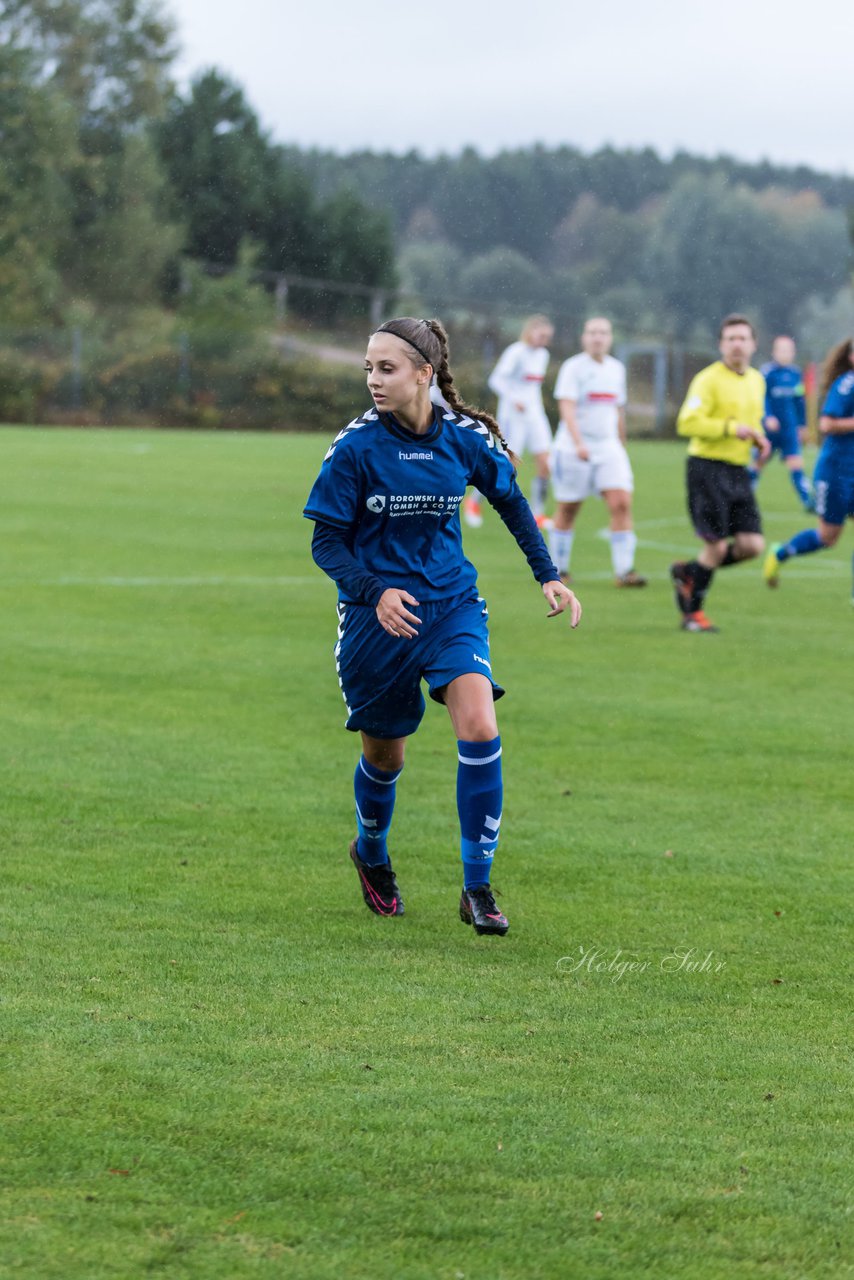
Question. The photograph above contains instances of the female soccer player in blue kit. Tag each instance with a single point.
(833, 478)
(785, 415)
(387, 531)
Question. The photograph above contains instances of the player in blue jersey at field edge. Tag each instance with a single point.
(386, 509)
(833, 478)
(786, 414)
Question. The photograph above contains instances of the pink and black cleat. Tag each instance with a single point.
(379, 886)
(478, 907)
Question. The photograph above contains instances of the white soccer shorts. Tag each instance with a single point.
(527, 431)
(574, 480)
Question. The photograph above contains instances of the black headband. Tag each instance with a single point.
(415, 345)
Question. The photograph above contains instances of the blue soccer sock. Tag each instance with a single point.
(802, 486)
(753, 472)
(480, 795)
(802, 544)
(375, 789)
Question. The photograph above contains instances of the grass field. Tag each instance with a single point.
(217, 1064)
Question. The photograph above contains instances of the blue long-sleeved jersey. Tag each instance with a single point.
(784, 395)
(394, 496)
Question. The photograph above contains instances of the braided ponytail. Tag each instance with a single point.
(430, 341)
(445, 379)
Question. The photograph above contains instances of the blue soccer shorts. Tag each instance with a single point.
(786, 441)
(834, 491)
(380, 675)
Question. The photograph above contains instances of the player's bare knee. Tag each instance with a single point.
(478, 728)
(750, 545)
(384, 753)
(829, 533)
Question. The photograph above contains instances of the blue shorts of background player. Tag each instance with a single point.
(785, 416)
(785, 440)
(381, 678)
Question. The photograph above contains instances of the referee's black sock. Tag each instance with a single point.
(701, 578)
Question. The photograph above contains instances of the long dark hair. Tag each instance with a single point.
(429, 345)
(836, 362)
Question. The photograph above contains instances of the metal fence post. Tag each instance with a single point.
(183, 364)
(281, 298)
(76, 367)
(377, 307)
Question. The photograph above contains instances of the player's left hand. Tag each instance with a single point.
(560, 597)
(763, 444)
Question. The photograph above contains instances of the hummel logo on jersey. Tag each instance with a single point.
(416, 457)
(376, 503)
(482, 661)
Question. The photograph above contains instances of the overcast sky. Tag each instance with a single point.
(752, 79)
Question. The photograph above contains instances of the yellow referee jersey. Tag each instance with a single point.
(718, 400)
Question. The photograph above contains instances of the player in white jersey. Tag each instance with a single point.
(589, 451)
(517, 380)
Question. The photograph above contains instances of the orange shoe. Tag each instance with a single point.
(698, 622)
(472, 513)
(544, 523)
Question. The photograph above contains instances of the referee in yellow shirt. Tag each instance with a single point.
(722, 414)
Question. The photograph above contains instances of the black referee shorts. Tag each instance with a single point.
(720, 499)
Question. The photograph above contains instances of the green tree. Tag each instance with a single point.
(223, 316)
(714, 248)
(502, 277)
(37, 151)
(109, 58)
(120, 256)
(221, 168)
(429, 272)
(107, 61)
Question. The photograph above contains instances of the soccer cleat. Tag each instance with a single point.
(683, 585)
(472, 513)
(379, 886)
(566, 578)
(697, 621)
(478, 907)
(631, 579)
(544, 523)
(771, 566)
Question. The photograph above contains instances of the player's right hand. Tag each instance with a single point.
(772, 424)
(394, 617)
(583, 452)
(559, 598)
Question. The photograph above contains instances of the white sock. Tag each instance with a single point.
(539, 493)
(623, 546)
(560, 548)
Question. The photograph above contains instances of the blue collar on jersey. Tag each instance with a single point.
(390, 422)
